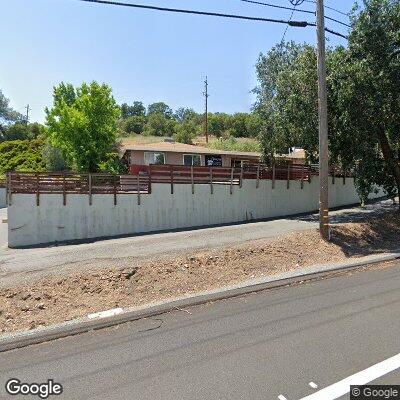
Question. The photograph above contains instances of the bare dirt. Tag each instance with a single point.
(56, 299)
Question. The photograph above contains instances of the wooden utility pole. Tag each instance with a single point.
(27, 113)
(323, 125)
(206, 95)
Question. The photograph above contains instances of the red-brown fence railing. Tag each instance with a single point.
(140, 183)
(73, 183)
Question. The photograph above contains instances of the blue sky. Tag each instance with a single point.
(143, 55)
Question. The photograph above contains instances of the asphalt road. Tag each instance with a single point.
(267, 345)
(18, 265)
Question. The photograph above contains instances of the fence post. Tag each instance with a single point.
(171, 173)
(309, 174)
(115, 189)
(211, 180)
(37, 189)
(241, 175)
(258, 176)
(288, 176)
(333, 174)
(138, 189)
(231, 188)
(64, 190)
(149, 190)
(90, 188)
(344, 176)
(302, 176)
(8, 188)
(191, 178)
(273, 175)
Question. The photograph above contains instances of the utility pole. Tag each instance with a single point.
(206, 95)
(27, 113)
(323, 125)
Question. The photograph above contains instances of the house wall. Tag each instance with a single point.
(137, 158)
(3, 202)
(51, 221)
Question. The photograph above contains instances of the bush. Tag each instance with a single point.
(185, 132)
(232, 144)
(113, 164)
(22, 155)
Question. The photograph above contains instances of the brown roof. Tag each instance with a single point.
(175, 147)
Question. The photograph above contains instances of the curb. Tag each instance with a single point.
(97, 321)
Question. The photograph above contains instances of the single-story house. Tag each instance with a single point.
(170, 152)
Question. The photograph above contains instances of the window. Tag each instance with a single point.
(192, 159)
(151, 157)
(237, 163)
(213, 161)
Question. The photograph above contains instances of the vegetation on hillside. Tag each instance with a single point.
(232, 144)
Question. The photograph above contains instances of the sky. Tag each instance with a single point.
(143, 55)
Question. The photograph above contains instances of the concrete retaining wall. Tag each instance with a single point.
(29, 224)
(3, 202)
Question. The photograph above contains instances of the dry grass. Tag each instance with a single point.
(53, 300)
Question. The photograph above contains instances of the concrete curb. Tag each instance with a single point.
(85, 324)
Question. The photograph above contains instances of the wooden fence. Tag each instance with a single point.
(140, 183)
(69, 183)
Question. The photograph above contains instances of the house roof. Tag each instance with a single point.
(175, 147)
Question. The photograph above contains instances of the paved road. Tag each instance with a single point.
(26, 264)
(260, 346)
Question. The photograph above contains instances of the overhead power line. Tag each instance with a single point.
(336, 33)
(330, 8)
(300, 24)
(287, 26)
(276, 6)
(293, 10)
(212, 14)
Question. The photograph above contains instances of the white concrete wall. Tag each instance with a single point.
(30, 224)
(3, 202)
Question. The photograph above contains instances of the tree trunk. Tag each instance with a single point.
(390, 159)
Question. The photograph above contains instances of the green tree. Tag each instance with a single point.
(160, 108)
(218, 123)
(371, 94)
(363, 99)
(83, 124)
(185, 132)
(134, 124)
(270, 69)
(22, 131)
(238, 125)
(54, 159)
(187, 114)
(7, 115)
(158, 125)
(137, 109)
(253, 125)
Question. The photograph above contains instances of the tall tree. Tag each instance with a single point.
(137, 109)
(363, 99)
(187, 114)
(158, 125)
(83, 124)
(372, 95)
(7, 115)
(160, 108)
